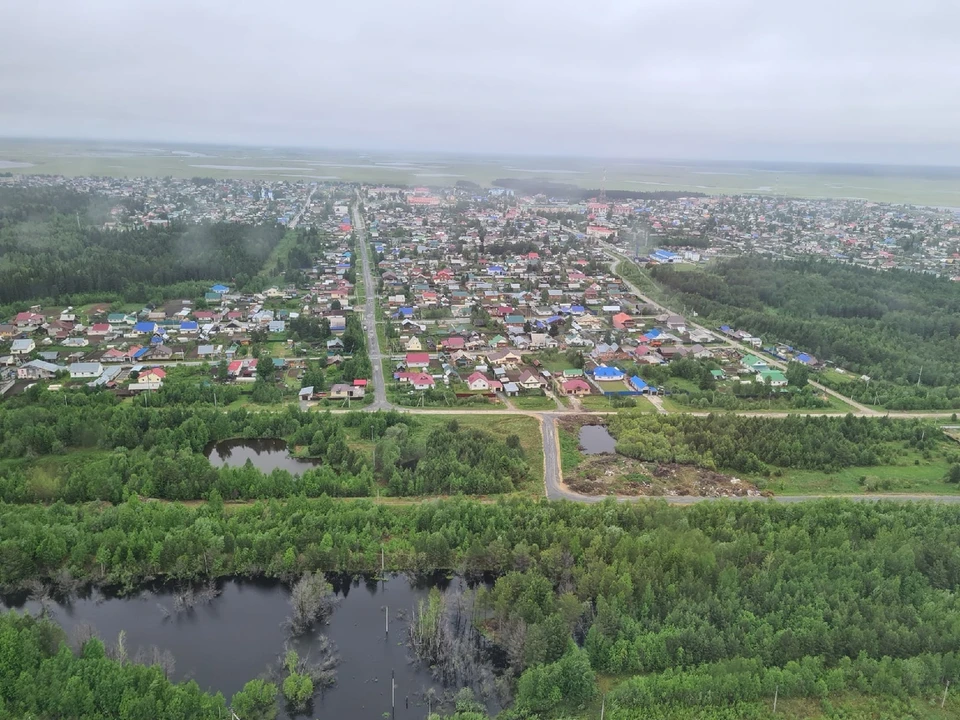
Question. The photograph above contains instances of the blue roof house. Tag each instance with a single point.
(221, 289)
(605, 372)
(638, 384)
(145, 327)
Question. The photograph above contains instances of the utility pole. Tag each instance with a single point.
(920, 376)
(603, 703)
(386, 619)
(393, 696)
(776, 693)
(944, 699)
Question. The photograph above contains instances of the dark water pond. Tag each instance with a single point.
(236, 636)
(595, 439)
(266, 454)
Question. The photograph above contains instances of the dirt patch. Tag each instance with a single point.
(572, 423)
(615, 474)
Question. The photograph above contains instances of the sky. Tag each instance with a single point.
(818, 80)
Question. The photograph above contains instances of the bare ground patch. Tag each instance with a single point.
(609, 473)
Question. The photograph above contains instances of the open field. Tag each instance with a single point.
(928, 186)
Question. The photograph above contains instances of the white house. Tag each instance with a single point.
(79, 370)
(478, 381)
(22, 347)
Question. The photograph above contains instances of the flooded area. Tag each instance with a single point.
(266, 454)
(595, 440)
(235, 636)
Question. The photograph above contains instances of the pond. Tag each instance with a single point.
(266, 454)
(594, 439)
(235, 637)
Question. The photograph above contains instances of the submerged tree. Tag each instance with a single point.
(312, 599)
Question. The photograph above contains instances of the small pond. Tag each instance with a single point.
(266, 454)
(235, 636)
(594, 439)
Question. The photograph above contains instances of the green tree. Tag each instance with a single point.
(257, 701)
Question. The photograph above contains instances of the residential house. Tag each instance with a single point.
(773, 378)
(530, 380)
(342, 391)
(413, 344)
(99, 330)
(417, 360)
(85, 370)
(754, 363)
(477, 382)
(511, 389)
(145, 327)
(607, 373)
(26, 320)
(38, 370)
(637, 383)
(507, 357)
(575, 387)
(22, 347)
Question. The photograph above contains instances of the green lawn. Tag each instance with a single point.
(534, 402)
(570, 456)
(595, 402)
(925, 478)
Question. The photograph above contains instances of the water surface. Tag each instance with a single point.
(266, 454)
(594, 439)
(235, 637)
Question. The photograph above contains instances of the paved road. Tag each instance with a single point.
(370, 312)
(299, 216)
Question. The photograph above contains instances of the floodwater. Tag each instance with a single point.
(237, 635)
(266, 454)
(594, 439)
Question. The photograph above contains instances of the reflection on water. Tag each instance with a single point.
(236, 636)
(595, 439)
(266, 454)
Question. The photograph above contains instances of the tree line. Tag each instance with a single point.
(160, 452)
(710, 606)
(47, 254)
(885, 325)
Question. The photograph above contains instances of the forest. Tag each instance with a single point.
(760, 445)
(712, 607)
(47, 253)
(89, 446)
(898, 328)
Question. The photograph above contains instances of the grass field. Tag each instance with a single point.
(74, 158)
(925, 478)
(534, 402)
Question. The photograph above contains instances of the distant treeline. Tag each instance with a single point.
(576, 193)
(45, 253)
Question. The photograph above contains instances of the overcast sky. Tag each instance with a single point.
(848, 80)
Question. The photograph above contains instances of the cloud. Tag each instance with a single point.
(849, 80)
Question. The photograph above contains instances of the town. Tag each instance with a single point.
(480, 299)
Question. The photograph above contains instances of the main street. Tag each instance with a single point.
(370, 312)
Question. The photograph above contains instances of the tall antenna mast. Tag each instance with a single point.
(603, 187)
